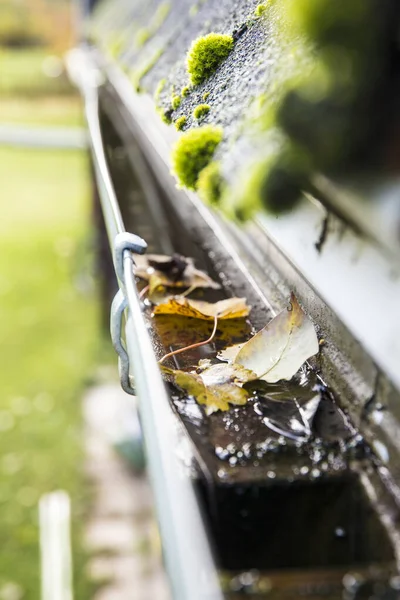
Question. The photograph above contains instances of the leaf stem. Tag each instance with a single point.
(144, 291)
(197, 345)
(188, 291)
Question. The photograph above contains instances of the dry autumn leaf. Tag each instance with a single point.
(279, 349)
(172, 271)
(215, 386)
(232, 308)
(230, 353)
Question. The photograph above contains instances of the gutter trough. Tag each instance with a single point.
(283, 522)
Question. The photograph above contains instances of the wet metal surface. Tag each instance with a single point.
(273, 502)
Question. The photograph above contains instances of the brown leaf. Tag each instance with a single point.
(174, 272)
(232, 308)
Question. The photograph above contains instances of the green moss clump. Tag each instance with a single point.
(210, 183)
(201, 111)
(274, 184)
(206, 54)
(193, 152)
(180, 122)
(175, 102)
(159, 89)
(116, 45)
(166, 116)
(261, 9)
(280, 188)
(185, 91)
(205, 96)
(161, 14)
(142, 36)
(136, 76)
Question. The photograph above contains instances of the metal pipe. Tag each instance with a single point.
(108, 199)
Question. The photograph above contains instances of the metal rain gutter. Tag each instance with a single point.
(188, 557)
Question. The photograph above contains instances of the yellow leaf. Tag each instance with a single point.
(232, 308)
(216, 386)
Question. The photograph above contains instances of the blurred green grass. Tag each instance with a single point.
(22, 73)
(42, 111)
(50, 341)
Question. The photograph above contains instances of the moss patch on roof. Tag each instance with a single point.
(193, 152)
(181, 122)
(210, 183)
(201, 111)
(175, 102)
(206, 54)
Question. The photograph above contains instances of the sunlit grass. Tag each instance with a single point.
(61, 111)
(49, 339)
(22, 73)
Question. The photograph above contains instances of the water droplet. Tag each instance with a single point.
(381, 451)
(247, 450)
(222, 453)
(315, 473)
(231, 448)
(248, 578)
(304, 470)
(340, 532)
(222, 473)
(351, 581)
(232, 461)
(271, 474)
(316, 455)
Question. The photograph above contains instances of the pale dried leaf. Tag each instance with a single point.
(232, 308)
(230, 353)
(279, 350)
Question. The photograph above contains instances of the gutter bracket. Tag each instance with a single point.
(124, 242)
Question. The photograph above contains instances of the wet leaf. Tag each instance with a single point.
(172, 271)
(215, 385)
(232, 308)
(279, 350)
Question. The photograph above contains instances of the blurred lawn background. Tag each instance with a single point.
(50, 340)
